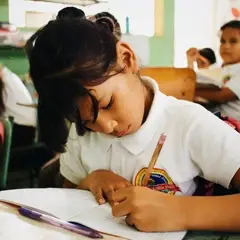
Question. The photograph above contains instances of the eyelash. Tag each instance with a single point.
(109, 104)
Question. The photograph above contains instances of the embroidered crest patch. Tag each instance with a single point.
(159, 181)
(226, 79)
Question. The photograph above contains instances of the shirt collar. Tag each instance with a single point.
(138, 141)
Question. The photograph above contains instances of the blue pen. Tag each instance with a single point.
(80, 229)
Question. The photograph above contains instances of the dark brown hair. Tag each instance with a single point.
(104, 18)
(65, 56)
(71, 12)
(232, 24)
(209, 54)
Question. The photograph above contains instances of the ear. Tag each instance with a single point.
(126, 57)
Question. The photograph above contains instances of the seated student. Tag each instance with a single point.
(227, 99)
(49, 174)
(15, 93)
(118, 118)
(205, 58)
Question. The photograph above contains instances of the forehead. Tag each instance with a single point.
(230, 33)
(113, 84)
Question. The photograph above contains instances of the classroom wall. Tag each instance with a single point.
(161, 49)
(4, 15)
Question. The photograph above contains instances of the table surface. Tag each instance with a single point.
(14, 226)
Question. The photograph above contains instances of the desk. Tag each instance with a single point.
(14, 226)
(55, 201)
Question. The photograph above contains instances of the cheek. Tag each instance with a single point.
(236, 52)
(131, 111)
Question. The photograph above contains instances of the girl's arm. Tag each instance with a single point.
(157, 212)
(218, 96)
(214, 213)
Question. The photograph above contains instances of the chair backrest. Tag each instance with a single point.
(5, 151)
(176, 82)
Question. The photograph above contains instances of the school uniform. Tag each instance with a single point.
(231, 80)
(15, 92)
(197, 143)
(25, 118)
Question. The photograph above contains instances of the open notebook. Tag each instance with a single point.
(209, 77)
(80, 206)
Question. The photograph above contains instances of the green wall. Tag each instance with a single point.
(4, 15)
(14, 59)
(161, 48)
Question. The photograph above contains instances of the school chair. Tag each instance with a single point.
(177, 82)
(19, 159)
(5, 151)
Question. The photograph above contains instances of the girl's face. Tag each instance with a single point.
(230, 46)
(122, 99)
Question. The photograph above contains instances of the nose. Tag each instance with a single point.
(226, 45)
(105, 124)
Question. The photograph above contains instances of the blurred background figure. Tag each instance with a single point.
(204, 58)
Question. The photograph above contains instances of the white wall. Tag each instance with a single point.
(197, 24)
(193, 27)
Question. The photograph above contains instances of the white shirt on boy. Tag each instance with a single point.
(231, 80)
(197, 143)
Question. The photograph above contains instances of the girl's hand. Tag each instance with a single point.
(192, 54)
(149, 210)
(102, 183)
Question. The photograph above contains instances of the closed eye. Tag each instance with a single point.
(109, 104)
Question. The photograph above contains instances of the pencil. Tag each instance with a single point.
(153, 160)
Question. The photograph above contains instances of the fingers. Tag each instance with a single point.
(129, 220)
(122, 209)
(109, 192)
(98, 193)
(109, 196)
(121, 194)
(106, 193)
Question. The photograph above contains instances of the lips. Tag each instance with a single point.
(226, 53)
(123, 133)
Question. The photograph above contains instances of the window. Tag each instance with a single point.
(140, 13)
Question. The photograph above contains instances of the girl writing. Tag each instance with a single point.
(87, 78)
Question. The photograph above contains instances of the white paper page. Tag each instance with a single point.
(101, 219)
(210, 76)
(81, 206)
(63, 203)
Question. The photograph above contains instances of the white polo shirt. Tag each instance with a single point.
(15, 92)
(231, 77)
(197, 143)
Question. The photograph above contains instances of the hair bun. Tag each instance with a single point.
(107, 20)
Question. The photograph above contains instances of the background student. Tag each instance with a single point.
(15, 94)
(205, 58)
(227, 98)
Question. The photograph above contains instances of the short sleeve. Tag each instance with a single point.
(234, 85)
(213, 146)
(70, 162)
